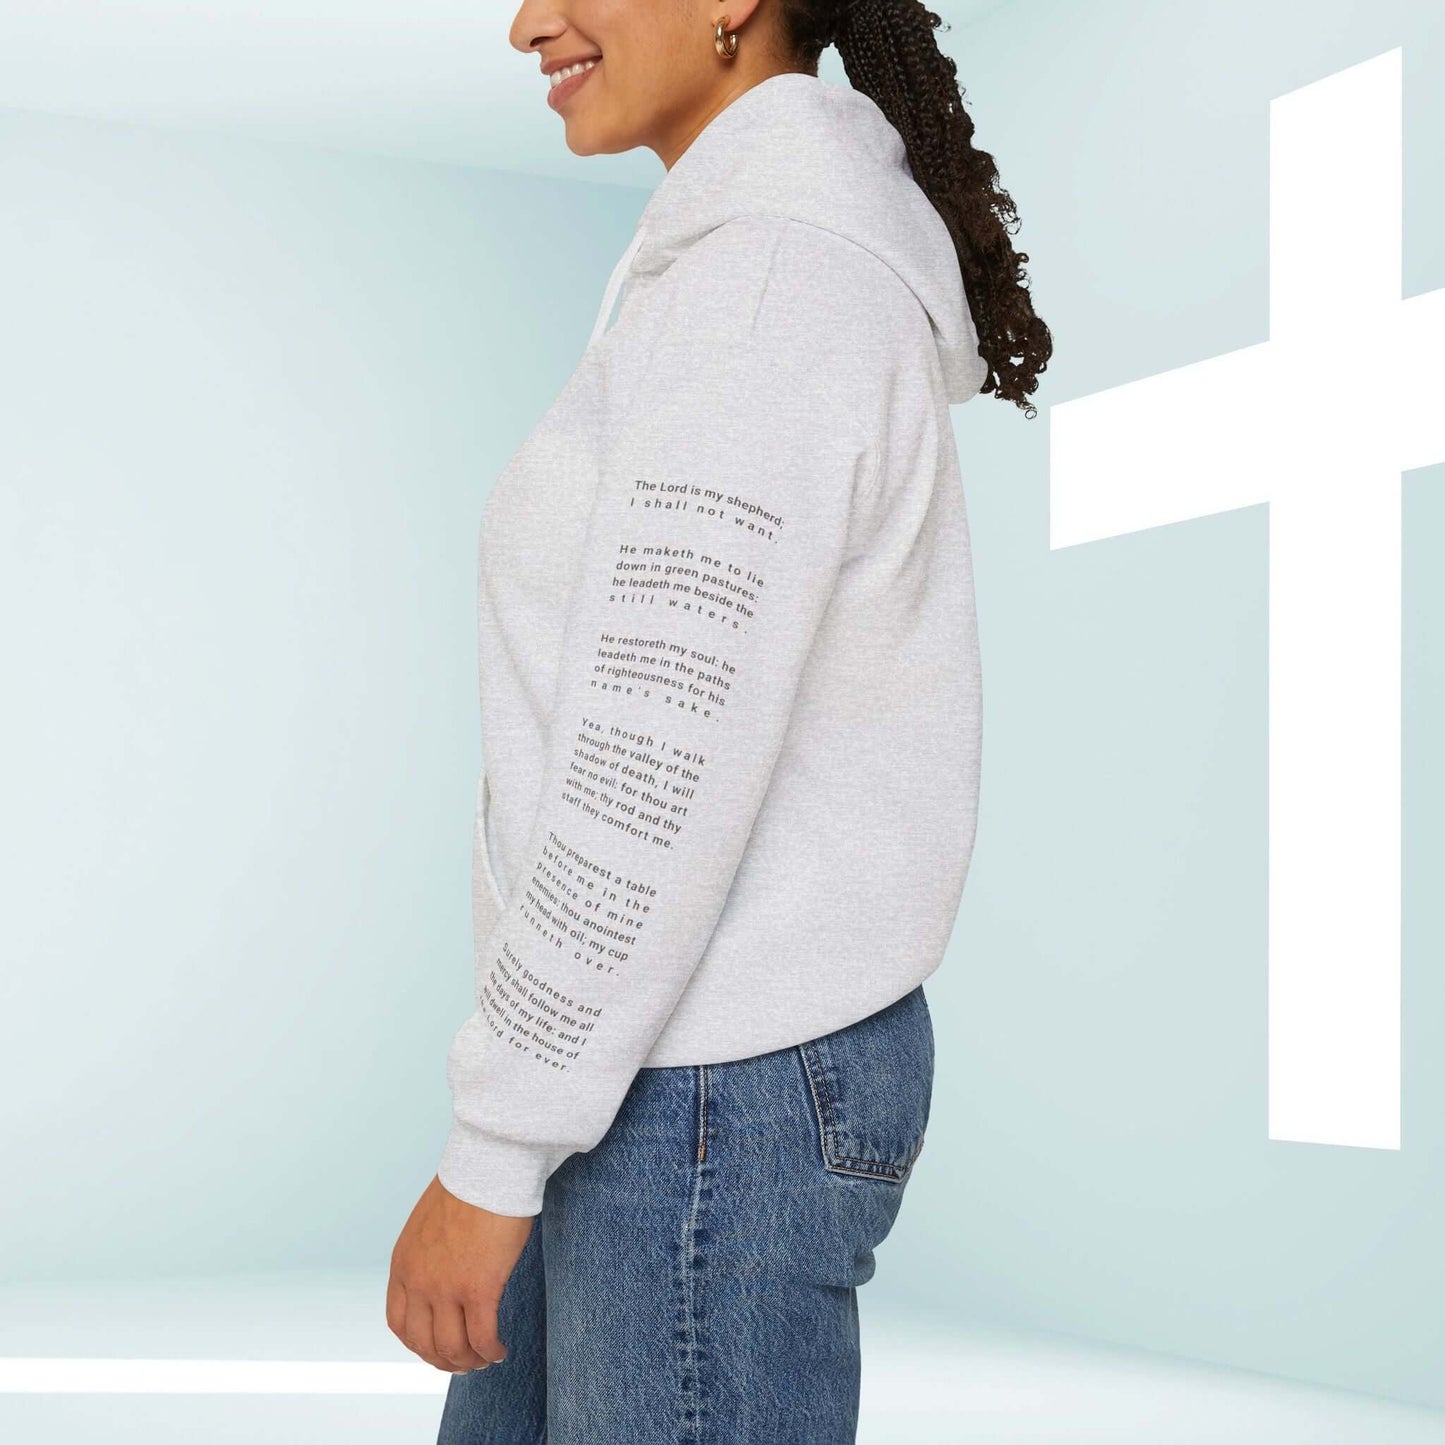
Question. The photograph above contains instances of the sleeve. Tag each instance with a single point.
(733, 449)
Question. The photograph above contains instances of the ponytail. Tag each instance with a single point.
(890, 54)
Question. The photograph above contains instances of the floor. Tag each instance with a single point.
(308, 1358)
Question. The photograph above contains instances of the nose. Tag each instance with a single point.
(536, 21)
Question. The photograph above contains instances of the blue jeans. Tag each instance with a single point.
(693, 1278)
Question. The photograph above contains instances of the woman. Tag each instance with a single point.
(732, 719)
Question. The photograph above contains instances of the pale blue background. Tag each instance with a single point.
(252, 395)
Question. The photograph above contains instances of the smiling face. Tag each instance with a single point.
(651, 75)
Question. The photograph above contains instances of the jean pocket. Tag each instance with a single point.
(871, 1085)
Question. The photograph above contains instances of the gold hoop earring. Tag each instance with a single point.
(726, 47)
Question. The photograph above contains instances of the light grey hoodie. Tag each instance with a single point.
(730, 687)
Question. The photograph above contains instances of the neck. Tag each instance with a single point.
(717, 101)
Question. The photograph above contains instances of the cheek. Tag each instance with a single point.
(625, 97)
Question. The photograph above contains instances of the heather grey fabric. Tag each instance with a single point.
(729, 667)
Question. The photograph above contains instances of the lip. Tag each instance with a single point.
(559, 95)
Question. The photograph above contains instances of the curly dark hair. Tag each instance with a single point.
(890, 54)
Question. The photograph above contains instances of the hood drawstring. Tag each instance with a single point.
(614, 285)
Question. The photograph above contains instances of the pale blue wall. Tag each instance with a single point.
(257, 400)
(253, 399)
(1099, 1160)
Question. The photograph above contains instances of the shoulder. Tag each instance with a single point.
(778, 274)
(786, 323)
(766, 301)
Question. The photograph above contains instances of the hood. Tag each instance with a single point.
(799, 146)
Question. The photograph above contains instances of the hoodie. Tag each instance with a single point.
(728, 655)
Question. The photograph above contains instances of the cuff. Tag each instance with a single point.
(501, 1175)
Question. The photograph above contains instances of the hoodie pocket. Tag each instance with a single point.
(871, 1085)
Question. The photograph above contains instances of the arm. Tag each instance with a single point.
(731, 457)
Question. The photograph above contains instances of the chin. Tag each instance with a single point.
(593, 141)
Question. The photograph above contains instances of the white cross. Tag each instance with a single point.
(1319, 421)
